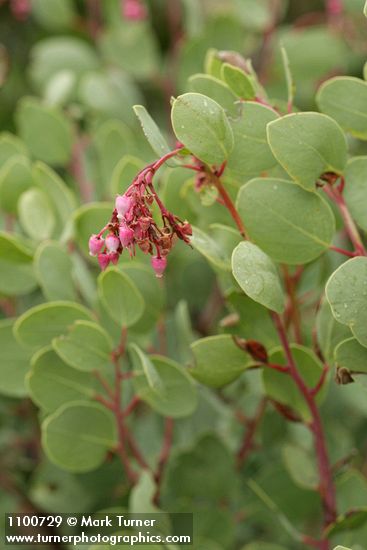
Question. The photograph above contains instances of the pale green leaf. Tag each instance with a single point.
(14, 362)
(257, 276)
(36, 214)
(40, 324)
(120, 296)
(52, 383)
(86, 346)
(202, 126)
(218, 360)
(53, 267)
(346, 291)
(344, 99)
(285, 221)
(78, 435)
(307, 145)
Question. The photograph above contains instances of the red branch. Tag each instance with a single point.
(164, 455)
(326, 486)
(252, 425)
(336, 196)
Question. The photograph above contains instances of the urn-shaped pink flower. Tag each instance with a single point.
(126, 235)
(95, 245)
(159, 265)
(123, 205)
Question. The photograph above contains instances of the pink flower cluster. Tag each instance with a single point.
(132, 225)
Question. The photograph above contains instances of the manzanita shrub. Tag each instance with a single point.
(184, 309)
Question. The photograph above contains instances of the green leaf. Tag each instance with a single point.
(282, 388)
(251, 154)
(329, 331)
(210, 249)
(16, 270)
(238, 81)
(143, 277)
(120, 296)
(58, 193)
(11, 145)
(356, 188)
(218, 360)
(89, 219)
(88, 429)
(151, 131)
(46, 131)
(54, 54)
(301, 466)
(137, 41)
(214, 88)
(56, 15)
(53, 267)
(308, 145)
(14, 362)
(112, 140)
(344, 99)
(143, 365)
(365, 9)
(124, 173)
(202, 126)
(164, 385)
(254, 321)
(15, 178)
(36, 215)
(347, 522)
(40, 324)
(288, 223)
(86, 346)
(142, 495)
(52, 383)
(346, 291)
(351, 355)
(291, 87)
(257, 276)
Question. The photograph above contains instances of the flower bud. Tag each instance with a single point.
(123, 205)
(103, 260)
(114, 257)
(112, 243)
(126, 235)
(186, 228)
(95, 245)
(159, 265)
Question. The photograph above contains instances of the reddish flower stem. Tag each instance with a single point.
(326, 485)
(321, 381)
(336, 196)
(252, 425)
(342, 251)
(230, 207)
(131, 406)
(290, 284)
(164, 455)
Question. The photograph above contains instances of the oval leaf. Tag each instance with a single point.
(40, 324)
(288, 223)
(307, 145)
(120, 296)
(345, 99)
(218, 360)
(202, 126)
(257, 276)
(346, 291)
(88, 429)
(177, 397)
(86, 346)
(52, 383)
